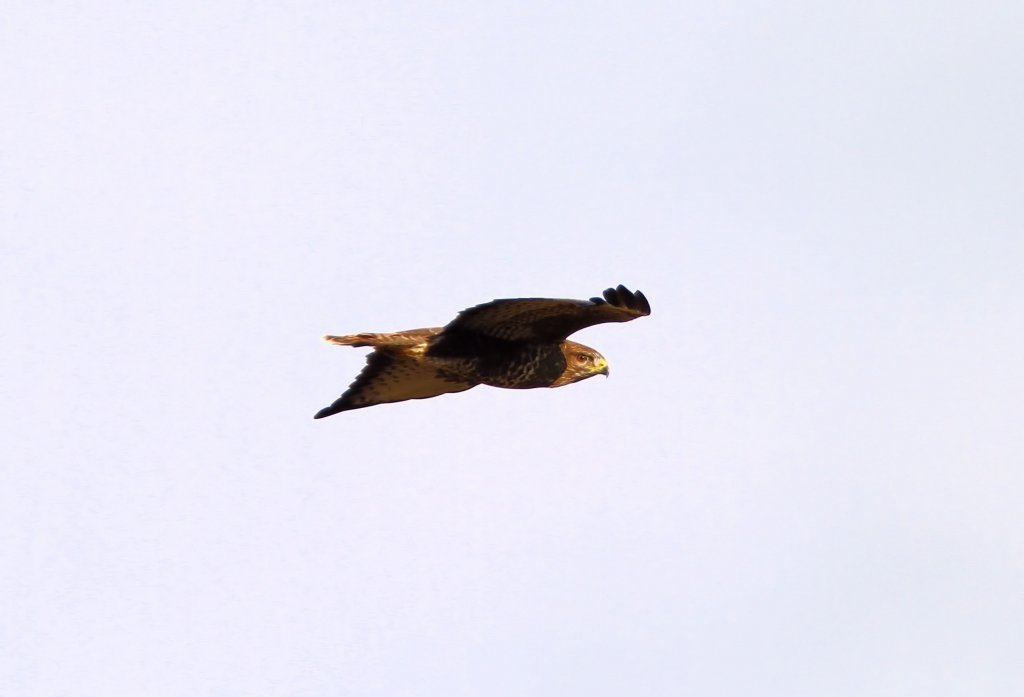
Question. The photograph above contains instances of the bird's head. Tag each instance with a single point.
(581, 362)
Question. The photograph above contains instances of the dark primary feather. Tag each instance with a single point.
(622, 297)
(547, 320)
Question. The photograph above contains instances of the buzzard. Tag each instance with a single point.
(516, 343)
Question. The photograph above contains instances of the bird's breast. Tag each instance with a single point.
(526, 367)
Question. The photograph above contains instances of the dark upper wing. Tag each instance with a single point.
(545, 319)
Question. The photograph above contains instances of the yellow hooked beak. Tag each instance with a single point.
(601, 366)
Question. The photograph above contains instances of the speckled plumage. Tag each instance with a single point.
(517, 343)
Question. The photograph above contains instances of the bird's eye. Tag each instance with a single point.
(583, 358)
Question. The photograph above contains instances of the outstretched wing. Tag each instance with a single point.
(392, 377)
(543, 319)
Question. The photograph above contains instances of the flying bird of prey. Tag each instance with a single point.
(517, 343)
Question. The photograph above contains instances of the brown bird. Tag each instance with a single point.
(517, 343)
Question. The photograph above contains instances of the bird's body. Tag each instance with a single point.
(516, 343)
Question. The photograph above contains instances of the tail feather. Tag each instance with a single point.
(411, 337)
(354, 340)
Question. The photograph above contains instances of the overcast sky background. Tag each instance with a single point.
(803, 477)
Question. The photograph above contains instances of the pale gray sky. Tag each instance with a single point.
(803, 478)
